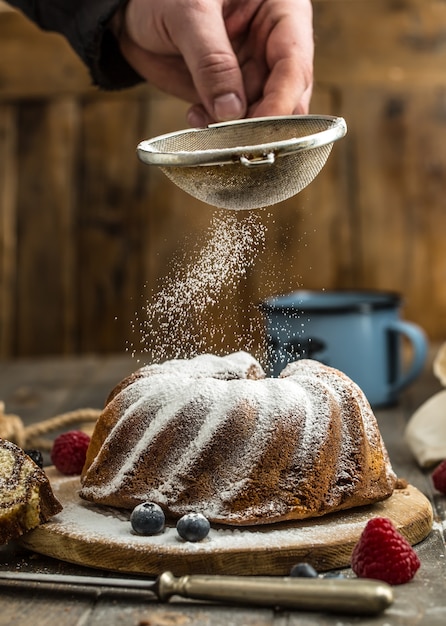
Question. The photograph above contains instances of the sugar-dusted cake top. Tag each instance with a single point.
(213, 434)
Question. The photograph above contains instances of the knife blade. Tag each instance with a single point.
(337, 595)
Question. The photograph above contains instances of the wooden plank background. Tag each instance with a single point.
(87, 231)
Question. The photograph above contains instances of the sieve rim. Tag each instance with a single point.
(148, 153)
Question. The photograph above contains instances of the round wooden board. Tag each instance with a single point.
(101, 537)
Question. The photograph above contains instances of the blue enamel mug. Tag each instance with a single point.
(358, 332)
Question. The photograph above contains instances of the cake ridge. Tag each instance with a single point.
(213, 434)
(154, 426)
(238, 466)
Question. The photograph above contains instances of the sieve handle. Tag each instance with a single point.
(264, 160)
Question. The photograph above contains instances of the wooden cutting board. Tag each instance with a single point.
(101, 537)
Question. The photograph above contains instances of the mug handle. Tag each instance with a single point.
(419, 344)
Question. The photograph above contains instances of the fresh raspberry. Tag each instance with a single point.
(383, 553)
(69, 452)
(439, 477)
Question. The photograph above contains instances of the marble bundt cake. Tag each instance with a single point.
(214, 435)
(26, 497)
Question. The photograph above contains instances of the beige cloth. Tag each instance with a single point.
(425, 432)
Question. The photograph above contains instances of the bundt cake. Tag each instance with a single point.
(214, 435)
(26, 497)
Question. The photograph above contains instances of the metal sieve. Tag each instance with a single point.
(249, 163)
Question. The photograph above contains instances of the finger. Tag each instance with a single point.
(166, 72)
(255, 74)
(284, 95)
(198, 117)
(205, 46)
(303, 106)
(288, 42)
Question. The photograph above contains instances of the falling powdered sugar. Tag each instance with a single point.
(188, 314)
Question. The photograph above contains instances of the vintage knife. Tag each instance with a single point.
(338, 595)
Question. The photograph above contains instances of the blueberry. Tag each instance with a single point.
(303, 570)
(147, 519)
(193, 527)
(36, 456)
(333, 574)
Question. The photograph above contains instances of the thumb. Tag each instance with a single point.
(215, 71)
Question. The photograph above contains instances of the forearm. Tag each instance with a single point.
(84, 23)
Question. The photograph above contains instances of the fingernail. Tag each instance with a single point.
(228, 107)
(196, 119)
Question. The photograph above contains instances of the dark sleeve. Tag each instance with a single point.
(84, 24)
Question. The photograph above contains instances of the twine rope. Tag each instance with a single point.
(13, 429)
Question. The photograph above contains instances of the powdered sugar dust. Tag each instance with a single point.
(189, 312)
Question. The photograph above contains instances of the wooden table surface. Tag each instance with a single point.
(38, 389)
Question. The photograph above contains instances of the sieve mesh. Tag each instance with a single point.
(246, 164)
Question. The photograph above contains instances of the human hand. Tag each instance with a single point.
(230, 58)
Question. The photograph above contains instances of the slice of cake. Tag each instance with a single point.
(213, 435)
(26, 497)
